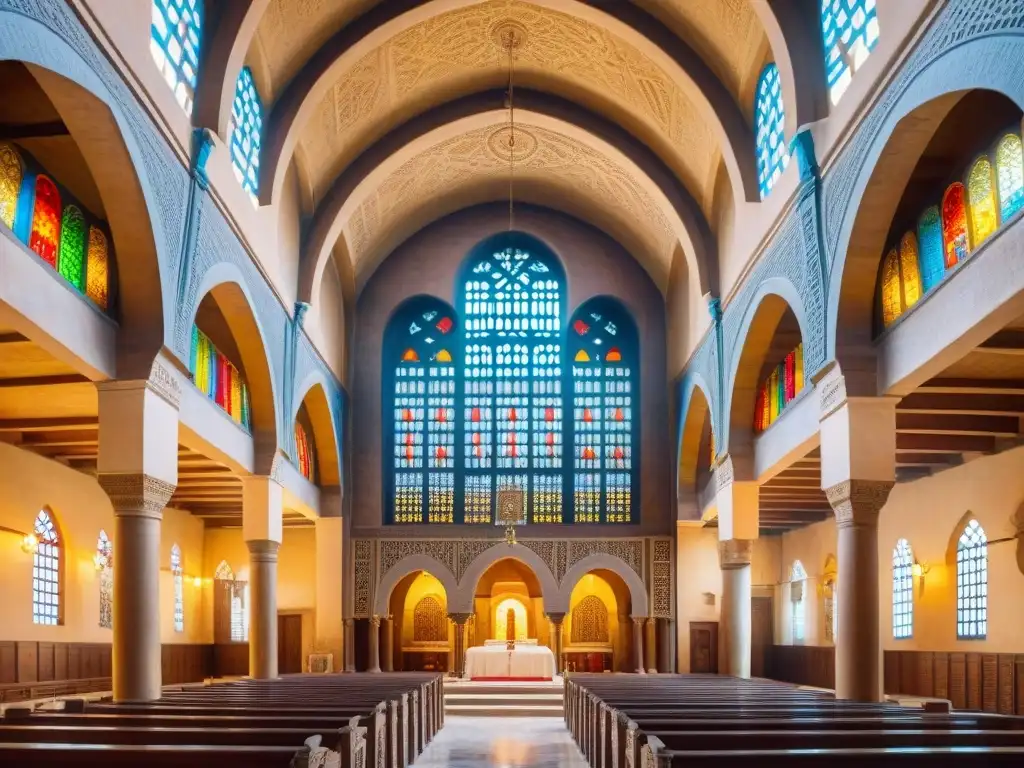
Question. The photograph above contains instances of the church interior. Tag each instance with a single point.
(585, 363)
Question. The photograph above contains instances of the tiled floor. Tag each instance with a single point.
(502, 742)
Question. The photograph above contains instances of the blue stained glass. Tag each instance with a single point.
(770, 127)
(929, 242)
(849, 30)
(246, 132)
(175, 37)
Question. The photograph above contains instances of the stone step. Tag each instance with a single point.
(505, 710)
(498, 699)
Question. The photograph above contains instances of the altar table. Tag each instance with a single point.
(496, 662)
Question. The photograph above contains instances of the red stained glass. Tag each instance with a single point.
(549, 414)
(580, 327)
(588, 453)
(407, 414)
(954, 225)
(587, 415)
(512, 414)
(790, 376)
(613, 356)
(619, 453)
(444, 324)
(410, 356)
(475, 416)
(618, 414)
(476, 441)
(409, 453)
(442, 415)
(441, 452)
(46, 221)
(550, 438)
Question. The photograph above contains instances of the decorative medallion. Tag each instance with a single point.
(499, 144)
(506, 33)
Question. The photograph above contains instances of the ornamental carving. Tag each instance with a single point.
(546, 550)
(857, 502)
(429, 623)
(394, 550)
(590, 622)
(136, 493)
(735, 553)
(630, 551)
(833, 394)
(662, 585)
(363, 570)
(469, 550)
(164, 383)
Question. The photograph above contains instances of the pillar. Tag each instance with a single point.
(350, 645)
(556, 620)
(858, 469)
(734, 557)
(622, 661)
(666, 654)
(137, 467)
(262, 531)
(374, 642)
(389, 644)
(651, 643)
(638, 644)
(330, 581)
(459, 619)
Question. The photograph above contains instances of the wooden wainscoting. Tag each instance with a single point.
(230, 660)
(992, 682)
(802, 664)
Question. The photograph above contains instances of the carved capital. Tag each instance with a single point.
(136, 494)
(831, 393)
(858, 502)
(263, 550)
(734, 553)
(459, 619)
(375, 622)
(556, 618)
(164, 383)
(638, 621)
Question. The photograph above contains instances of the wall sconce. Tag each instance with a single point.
(919, 570)
(29, 542)
(197, 582)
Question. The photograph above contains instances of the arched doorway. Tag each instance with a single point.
(507, 585)
(420, 632)
(597, 630)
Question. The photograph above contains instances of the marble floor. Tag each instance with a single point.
(502, 742)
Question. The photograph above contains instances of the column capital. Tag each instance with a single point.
(459, 618)
(263, 550)
(375, 622)
(556, 618)
(350, 622)
(857, 502)
(734, 553)
(638, 621)
(652, 621)
(136, 494)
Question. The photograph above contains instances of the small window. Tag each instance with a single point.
(175, 36)
(849, 30)
(179, 589)
(797, 585)
(47, 572)
(105, 571)
(246, 132)
(902, 591)
(972, 583)
(770, 127)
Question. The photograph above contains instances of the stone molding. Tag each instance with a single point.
(857, 503)
(724, 474)
(263, 550)
(136, 494)
(164, 383)
(375, 622)
(459, 619)
(735, 553)
(831, 394)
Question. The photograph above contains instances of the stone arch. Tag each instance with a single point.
(461, 601)
(225, 284)
(602, 561)
(696, 427)
(409, 565)
(874, 169)
(757, 332)
(326, 422)
(105, 127)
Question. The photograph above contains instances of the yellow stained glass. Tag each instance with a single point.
(981, 200)
(773, 393)
(444, 356)
(1010, 173)
(892, 307)
(714, 453)
(582, 356)
(910, 270)
(10, 183)
(798, 371)
(236, 394)
(96, 269)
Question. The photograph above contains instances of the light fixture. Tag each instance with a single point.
(919, 570)
(197, 582)
(29, 542)
(511, 39)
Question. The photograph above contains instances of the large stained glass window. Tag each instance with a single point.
(954, 225)
(71, 260)
(902, 591)
(1009, 170)
(780, 388)
(603, 347)
(105, 570)
(849, 30)
(47, 572)
(982, 198)
(175, 36)
(246, 132)
(45, 237)
(219, 379)
(972, 583)
(770, 127)
(179, 589)
(929, 239)
(420, 343)
(11, 173)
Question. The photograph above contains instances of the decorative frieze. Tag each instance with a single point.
(857, 502)
(135, 493)
(363, 570)
(630, 551)
(735, 553)
(662, 583)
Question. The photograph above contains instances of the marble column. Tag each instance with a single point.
(734, 557)
(651, 643)
(262, 609)
(556, 620)
(388, 649)
(459, 620)
(350, 645)
(374, 665)
(638, 644)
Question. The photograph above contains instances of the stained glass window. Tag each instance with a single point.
(929, 239)
(419, 343)
(47, 572)
(954, 225)
(797, 601)
(175, 36)
(1009, 169)
(902, 590)
(246, 131)
(71, 260)
(303, 451)
(11, 174)
(96, 270)
(179, 589)
(770, 127)
(892, 307)
(849, 30)
(219, 379)
(45, 237)
(603, 345)
(972, 583)
(982, 197)
(779, 389)
(910, 271)
(105, 574)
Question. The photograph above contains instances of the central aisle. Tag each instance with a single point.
(502, 742)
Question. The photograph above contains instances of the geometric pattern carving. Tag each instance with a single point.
(590, 621)
(363, 569)
(429, 622)
(662, 583)
(393, 550)
(630, 551)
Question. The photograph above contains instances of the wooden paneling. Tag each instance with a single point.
(28, 666)
(973, 664)
(8, 662)
(185, 663)
(803, 665)
(1006, 692)
(45, 660)
(958, 680)
(230, 659)
(991, 682)
(762, 632)
(940, 665)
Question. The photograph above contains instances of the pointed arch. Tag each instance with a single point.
(224, 572)
(246, 133)
(1010, 174)
(770, 129)
(972, 582)
(46, 220)
(48, 570)
(696, 419)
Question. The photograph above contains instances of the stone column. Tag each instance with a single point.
(389, 644)
(556, 620)
(666, 636)
(622, 661)
(857, 504)
(459, 619)
(262, 608)
(374, 665)
(651, 641)
(734, 557)
(638, 644)
(350, 645)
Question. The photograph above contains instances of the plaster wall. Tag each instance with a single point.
(325, 323)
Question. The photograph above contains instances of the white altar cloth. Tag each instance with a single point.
(526, 662)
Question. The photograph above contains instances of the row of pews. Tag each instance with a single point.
(633, 721)
(371, 720)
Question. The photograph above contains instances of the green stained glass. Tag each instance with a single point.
(71, 259)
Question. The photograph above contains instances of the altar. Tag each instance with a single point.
(526, 661)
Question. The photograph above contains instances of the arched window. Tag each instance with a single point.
(849, 30)
(902, 590)
(982, 197)
(45, 237)
(174, 40)
(418, 362)
(304, 452)
(910, 271)
(797, 598)
(71, 260)
(604, 348)
(892, 306)
(96, 270)
(179, 589)
(954, 225)
(218, 379)
(47, 572)
(230, 607)
(104, 562)
(972, 583)
(779, 389)
(246, 132)
(929, 240)
(1009, 170)
(11, 174)
(770, 127)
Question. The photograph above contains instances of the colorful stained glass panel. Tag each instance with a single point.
(770, 125)
(10, 183)
(97, 269)
(1010, 173)
(45, 237)
(71, 260)
(954, 225)
(982, 197)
